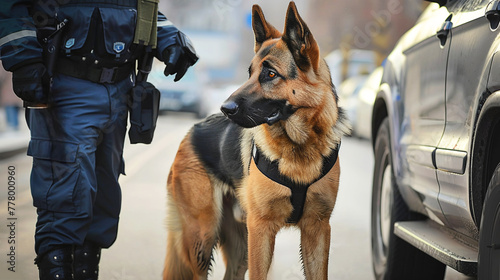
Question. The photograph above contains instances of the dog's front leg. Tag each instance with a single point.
(261, 240)
(315, 246)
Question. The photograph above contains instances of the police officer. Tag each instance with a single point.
(77, 138)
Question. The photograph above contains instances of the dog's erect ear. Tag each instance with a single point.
(300, 41)
(261, 28)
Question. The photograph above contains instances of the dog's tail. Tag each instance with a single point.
(175, 267)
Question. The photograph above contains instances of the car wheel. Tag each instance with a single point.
(392, 257)
(489, 234)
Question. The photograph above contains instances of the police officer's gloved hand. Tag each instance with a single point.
(179, 57)
(31, 83)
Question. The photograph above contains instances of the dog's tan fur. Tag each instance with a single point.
(203, 210)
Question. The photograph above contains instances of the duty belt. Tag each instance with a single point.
(87, 72)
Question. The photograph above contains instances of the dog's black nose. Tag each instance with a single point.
(229, 108)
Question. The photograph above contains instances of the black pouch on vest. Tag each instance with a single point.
(144, 107)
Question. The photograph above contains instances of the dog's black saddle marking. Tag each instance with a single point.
(299, 190)
(217, 143)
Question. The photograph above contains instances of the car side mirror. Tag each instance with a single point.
(440, 2)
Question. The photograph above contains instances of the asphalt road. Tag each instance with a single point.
(140, 249)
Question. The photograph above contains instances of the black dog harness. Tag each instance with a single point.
(299, 191)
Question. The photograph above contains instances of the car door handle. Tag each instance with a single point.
(443, 32)
(492, 13)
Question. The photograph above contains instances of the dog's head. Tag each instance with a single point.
(287, 74)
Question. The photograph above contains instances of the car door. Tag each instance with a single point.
(467, 73)
(423, 95)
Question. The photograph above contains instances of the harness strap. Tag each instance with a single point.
(299, 191)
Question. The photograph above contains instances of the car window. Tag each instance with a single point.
(461, 6)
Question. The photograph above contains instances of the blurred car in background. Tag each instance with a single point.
(181, 96)
(215, 95)
(362, 124)
(345, 65)
(348, 97)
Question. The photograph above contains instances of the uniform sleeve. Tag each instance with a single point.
(166, 34)
(18, 42)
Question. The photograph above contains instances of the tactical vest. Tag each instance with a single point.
(101, 42)
(147, 11)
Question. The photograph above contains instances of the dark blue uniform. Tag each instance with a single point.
(77, 142)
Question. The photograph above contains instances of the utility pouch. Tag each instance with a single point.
(145, 31)
(144, 107)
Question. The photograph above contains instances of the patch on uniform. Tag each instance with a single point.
(118, 47)
(70, 43)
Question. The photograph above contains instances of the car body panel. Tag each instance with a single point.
(417, 124)
(467, 73)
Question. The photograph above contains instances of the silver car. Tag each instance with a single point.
(436, 134)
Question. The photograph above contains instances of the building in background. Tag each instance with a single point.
(221, 29)
(363, 24)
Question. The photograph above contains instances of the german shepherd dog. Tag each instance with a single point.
(287, 113)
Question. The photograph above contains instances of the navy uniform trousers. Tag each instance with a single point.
(77, 147)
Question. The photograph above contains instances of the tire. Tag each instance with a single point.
(392, 257)
(489, 234)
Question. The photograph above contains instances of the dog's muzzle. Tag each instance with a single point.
(250, 114)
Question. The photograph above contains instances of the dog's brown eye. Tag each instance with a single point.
(271, 74)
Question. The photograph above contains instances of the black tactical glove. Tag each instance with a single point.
(31, 83)
(179, 57)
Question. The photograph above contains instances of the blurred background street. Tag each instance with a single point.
(354, 36)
